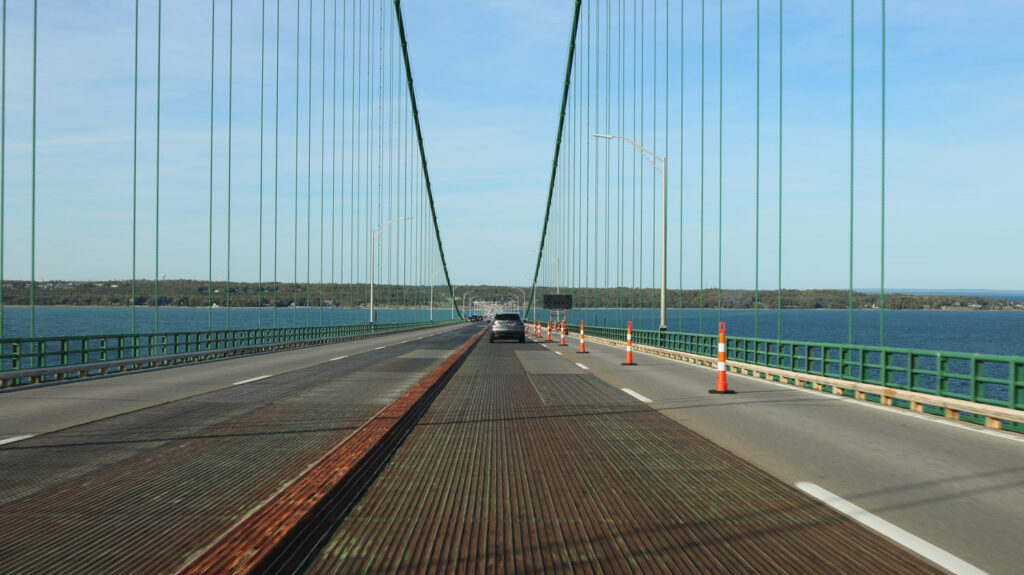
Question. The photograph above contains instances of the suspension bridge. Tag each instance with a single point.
(283, 378)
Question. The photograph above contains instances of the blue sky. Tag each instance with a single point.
(488, 77)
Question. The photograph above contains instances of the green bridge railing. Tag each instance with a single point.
(17, 354)
(980, 378)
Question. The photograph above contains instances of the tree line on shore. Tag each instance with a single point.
(199, 293)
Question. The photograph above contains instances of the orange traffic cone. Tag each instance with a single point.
(629, 344)
(720, 385)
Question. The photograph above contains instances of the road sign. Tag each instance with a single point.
(557, 301)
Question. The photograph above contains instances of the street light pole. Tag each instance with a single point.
(653, 159)
(373, 239)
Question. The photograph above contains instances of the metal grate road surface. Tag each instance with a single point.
(538, 470)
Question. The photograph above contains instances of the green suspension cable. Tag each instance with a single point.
(309, 157)
(620, 238)
(156, 227)
(209, 236)
(334, 157)
(587, 138)
(682, 149)
(558, 140)
(277, 132)
(850, 290)
(231, 82)
(757, 180)
(643, 117)
(323, 146)
(295, 228)
(653, 180)
(700, 317)
(35, 70)
(778, 298)
(259, 248)
(881, 293)
(135, 163)
(3, 159)
(419, 139)
(721, 114)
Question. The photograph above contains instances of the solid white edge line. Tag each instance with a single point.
(912, 542)
(582, 366)
(250, 380)
(337, 358)
(14, 439)
(636, 395)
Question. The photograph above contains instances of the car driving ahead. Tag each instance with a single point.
(508, 326)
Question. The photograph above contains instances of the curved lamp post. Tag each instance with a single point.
(373, 239)
(653, 159)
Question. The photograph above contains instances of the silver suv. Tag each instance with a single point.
(508, 326)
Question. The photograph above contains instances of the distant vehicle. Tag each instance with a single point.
(508, 326)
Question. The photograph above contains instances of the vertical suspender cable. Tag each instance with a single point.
(295, 227)
(309, 153)
(850, 289)
(156, 227)
(633, 180)
(721, 114)
(3, 162)
(323, 145)
(778, 298)
(607, 150)
(209, 236)
(682, 149)
(643, 71)
(700, 313)
(881, 292)
(757, 178)
(654, 146)
(558, 137)
(259, 248)
(334, 157)
(664, 242)
(320, 304)
(35, 68)
(231, 81)
(619, 237)
(585, 252)
(135, 165)
(277, 133)
(276, 156)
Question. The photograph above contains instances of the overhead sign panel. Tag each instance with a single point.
(557, 301)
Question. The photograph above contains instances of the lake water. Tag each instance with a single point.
(992, 332)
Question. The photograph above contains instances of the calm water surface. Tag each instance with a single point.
(993, 332)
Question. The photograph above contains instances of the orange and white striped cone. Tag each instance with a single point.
(629, 344)
(583, 347)
(549, 331)
(562, 344)
(720, 385)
